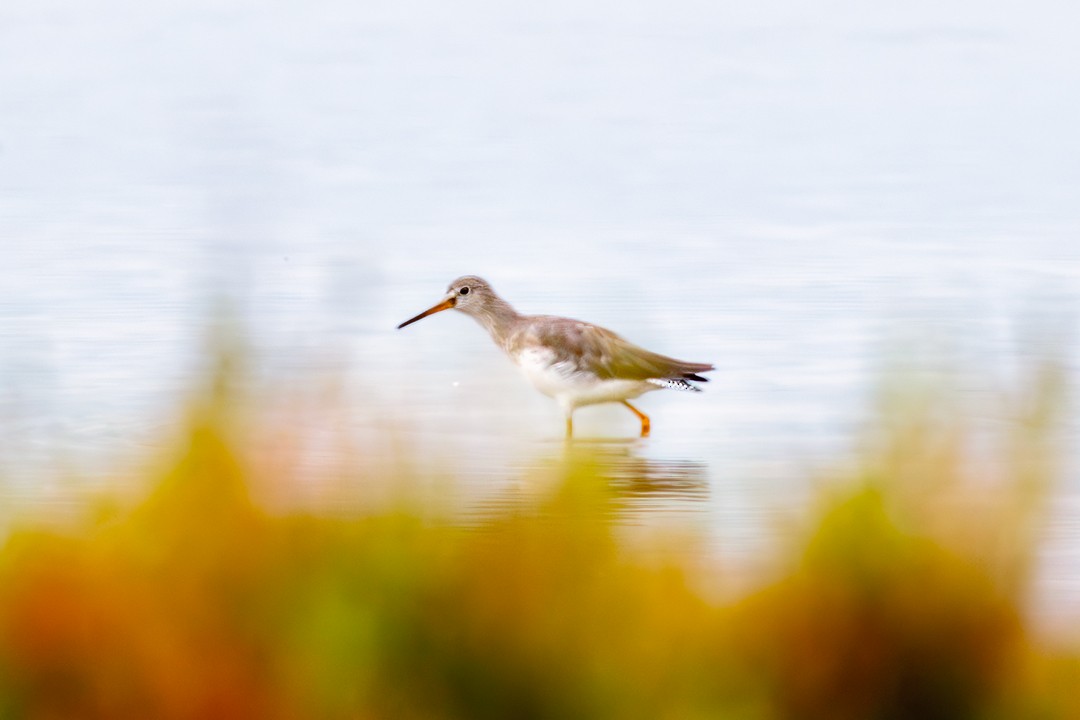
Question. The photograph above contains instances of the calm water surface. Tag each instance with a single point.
(803, 196)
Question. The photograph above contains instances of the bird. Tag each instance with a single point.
(576, 363)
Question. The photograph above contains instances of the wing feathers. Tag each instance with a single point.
(610, 356)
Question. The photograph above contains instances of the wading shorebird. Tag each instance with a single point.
(574, 362)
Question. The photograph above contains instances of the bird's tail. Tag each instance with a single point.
(674, 384)
(689, 371)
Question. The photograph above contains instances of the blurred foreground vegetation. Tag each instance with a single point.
(901, 594)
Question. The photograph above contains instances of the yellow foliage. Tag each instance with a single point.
(199, 602)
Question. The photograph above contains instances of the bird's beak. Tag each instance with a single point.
(444, 305)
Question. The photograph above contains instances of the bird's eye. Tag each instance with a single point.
(464, 291)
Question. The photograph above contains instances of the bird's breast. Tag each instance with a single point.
(546, 372)
(571, 384)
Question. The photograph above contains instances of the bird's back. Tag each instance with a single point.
(599, 351)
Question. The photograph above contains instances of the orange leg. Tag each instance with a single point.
(641, 416)
(569, 427)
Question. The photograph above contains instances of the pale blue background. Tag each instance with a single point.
(802, 193)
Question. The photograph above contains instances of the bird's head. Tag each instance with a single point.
(469, 294)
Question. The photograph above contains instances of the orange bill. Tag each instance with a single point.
(444, 305)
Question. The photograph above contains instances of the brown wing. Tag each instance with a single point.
(611, 356)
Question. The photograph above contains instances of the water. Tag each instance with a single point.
(801, 195)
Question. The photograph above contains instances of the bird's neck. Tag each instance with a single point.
(499, 318)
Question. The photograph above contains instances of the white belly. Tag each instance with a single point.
(570, 386)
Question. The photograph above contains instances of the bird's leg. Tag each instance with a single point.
(569, 426)
(642, 417)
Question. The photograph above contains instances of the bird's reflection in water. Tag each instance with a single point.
(645, 483)
(624, 485)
